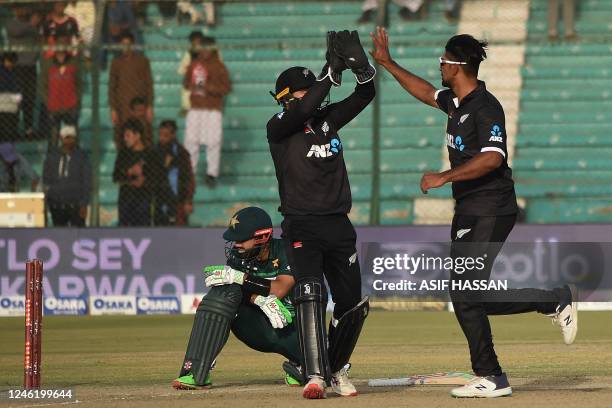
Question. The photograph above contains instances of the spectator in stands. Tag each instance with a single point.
(138, 110)
(195, 17)
(60, 83)
(67, 181)
(167, 9)
(14, 168)
(138, 171)
(10, 99)
(410, 10)
(59, 24)
(22, 31)
(130, 77)
(175, 198)
(196, 39)
(208, 80)
(569, 10)
(119, 20)
(84, 12)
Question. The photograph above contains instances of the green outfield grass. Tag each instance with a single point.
(145, 350)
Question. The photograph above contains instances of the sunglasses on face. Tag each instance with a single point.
(444, 61)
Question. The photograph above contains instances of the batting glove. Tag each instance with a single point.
(274, 310)
(222, 275)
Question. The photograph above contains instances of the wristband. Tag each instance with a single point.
(256, 285)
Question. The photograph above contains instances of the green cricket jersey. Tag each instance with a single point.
(277, 264)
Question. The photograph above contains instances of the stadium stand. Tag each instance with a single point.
(562, 164)
(556, 96)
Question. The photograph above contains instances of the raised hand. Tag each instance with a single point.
(380, 53)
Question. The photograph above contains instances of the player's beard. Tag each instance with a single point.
(445, 83)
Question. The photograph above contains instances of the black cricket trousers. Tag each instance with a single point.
(324, 246)
(473, 236)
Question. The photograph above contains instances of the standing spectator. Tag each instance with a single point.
(569, 9)
(60, 83)
(196, 39)
(22, 31)
(175, 198)
(208, 80)
(84, 12)
(138, 172)
(59, 24)
(10, 98)
(67, 181)
(138, 110)
(130, 77)
(13, 169)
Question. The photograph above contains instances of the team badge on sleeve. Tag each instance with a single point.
(496, 134)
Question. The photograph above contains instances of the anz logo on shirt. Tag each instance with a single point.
(456, 142)
(327, 150)
(496, 134)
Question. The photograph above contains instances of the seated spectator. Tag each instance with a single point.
(119, 20)
(167, 9)
(57, 24)
(10, 98)
(22, 31)
(138, 171)
(175, 198)
(569, 10)
(14, 169)
(130, 77)
(208, 80)
(195, 17)
(410, 10)
(60, 83)
(67, 181)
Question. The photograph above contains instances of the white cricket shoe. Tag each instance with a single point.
(341, 384)
(314, 388)
(484, 387)
(567, 315)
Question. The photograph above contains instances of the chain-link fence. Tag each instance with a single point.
(153, 113)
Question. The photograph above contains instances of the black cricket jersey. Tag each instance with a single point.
(475, 125)
(308, 153)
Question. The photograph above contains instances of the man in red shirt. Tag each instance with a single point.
(61, 88)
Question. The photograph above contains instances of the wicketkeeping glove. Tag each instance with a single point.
(348, 47)
(217, 275)
(335, 65)
(274, 310)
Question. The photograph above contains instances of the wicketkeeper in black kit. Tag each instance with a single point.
(485, 209)
(315, 199)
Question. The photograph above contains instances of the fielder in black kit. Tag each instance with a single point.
(485, 204)
(315, 199)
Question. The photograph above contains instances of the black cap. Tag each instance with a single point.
(248, 223)
(293, 79)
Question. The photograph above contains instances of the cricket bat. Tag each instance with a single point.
(449, 378)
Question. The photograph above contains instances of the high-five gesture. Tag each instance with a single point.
(381, 46)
